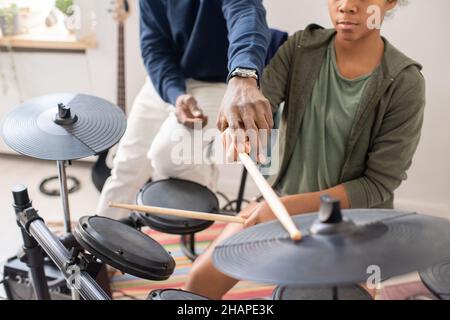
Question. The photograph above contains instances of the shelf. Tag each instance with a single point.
(48, 39)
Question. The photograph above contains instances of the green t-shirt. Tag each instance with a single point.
(319, 153)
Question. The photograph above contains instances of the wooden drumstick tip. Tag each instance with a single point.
(296, 235)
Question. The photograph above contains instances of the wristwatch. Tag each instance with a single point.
(244, 73)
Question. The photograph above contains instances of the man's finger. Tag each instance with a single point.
(195, 110)
(234, 119)
(224, 140)
(252, 136)
(263, 139)
(221, 123)
(268, 114)
(261, 121)
(239, 138)
(229, 147)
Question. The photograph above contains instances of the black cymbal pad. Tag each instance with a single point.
(31, 130)
(394, 242)
(437, 279)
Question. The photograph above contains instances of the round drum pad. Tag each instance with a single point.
(177, 194)
(124, 248)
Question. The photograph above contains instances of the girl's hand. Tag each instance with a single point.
(258, 213)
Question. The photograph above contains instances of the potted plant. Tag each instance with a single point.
(9, 20)
(65, 6)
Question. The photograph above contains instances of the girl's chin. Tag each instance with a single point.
(347, 36)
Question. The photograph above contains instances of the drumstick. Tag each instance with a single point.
(180, 213)
(271, 197)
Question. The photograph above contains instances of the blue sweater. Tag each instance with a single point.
(200, 39)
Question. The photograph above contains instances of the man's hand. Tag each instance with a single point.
(245, 107)
(188, 113)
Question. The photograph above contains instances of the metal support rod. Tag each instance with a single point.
(88, 288)
(74, 294)
(35, 261)
(34, 258)
(64, 194)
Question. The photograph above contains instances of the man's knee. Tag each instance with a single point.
(170, 153)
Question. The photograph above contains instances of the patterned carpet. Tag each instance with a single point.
(126, 286)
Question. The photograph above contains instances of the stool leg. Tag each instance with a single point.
(187, 244)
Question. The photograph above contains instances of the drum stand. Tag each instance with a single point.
(37, 235)
(64, 193)
(33, 255)
(62, 165)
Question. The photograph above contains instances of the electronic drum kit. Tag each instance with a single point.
(329, 261)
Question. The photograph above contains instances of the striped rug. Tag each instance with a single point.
(127, 286)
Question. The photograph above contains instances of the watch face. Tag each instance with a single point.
(248, 73)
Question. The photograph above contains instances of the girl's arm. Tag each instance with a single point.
(295, 204)
(310, 202)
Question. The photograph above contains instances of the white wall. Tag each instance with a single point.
(102, 60)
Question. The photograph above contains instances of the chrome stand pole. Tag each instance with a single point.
(64, 194)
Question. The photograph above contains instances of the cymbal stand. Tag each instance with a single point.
(64, 193)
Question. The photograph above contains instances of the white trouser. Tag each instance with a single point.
(147, 148)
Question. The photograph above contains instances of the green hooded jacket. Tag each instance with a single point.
(387, 127)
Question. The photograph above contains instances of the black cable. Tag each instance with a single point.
(56, 192)
(223, 196)
(231, 206)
